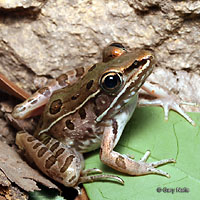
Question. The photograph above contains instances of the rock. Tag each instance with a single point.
(67, 34)
(15, 4)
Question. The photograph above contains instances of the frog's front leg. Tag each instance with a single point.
(124, 163)
(35, 103)
(164, 98)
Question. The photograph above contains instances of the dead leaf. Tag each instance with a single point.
(19, 172)
(27, 124)
(12, 193)
(7, 135)
(12, 89)
(4, 180)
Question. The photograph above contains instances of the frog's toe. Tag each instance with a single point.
(162, 162)
(158, 171)
(146, 156)
(92, 178)
(165, 99)
(150, 168)
(174, 104)
(168, 103)
(153, 170)
(86, 172)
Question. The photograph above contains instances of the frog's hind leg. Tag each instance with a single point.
(52, 158)
(60, 163)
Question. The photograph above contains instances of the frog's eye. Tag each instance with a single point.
(111, 81)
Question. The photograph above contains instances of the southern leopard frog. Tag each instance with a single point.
(88, 108)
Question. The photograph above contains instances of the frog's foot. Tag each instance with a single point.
(151, 167)
(164, 99)
(87, 178)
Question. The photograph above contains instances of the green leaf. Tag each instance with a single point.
(147, 130)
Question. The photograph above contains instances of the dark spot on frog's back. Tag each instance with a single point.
(89, 84)
(93, 67)
(79, 71)
(82, 113)
(55, 106)
(75, 97)
(62, 79)
(69, 125)
(45, 91)
(90, 130)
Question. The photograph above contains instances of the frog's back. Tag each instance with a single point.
(75, 114)
(71, 112)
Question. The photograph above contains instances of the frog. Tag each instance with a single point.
(88, 108)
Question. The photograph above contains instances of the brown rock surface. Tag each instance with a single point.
(67, 34)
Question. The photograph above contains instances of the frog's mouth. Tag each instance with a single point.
(134, 82)
(138, 78)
